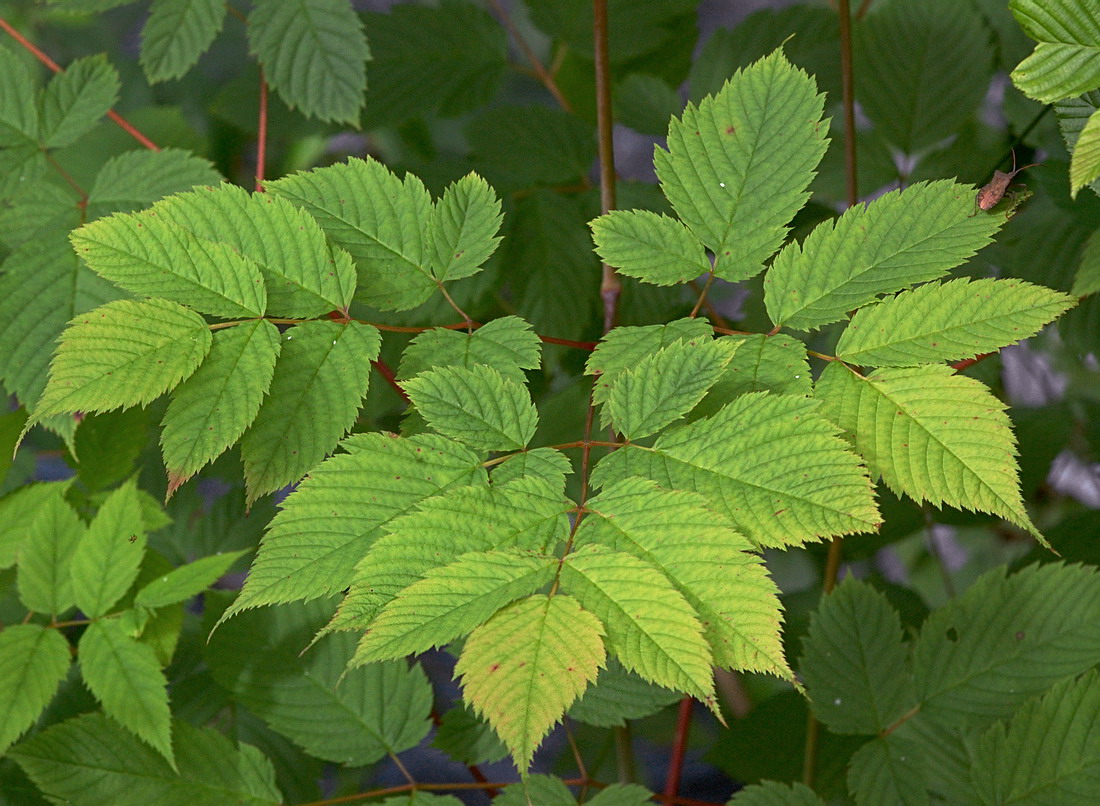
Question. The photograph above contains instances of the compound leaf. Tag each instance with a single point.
(75, 100)
(463, 228)
(760, 363)
(649, 246)
(508, 344)
(176, 34)
(1066, 61)
(33, 662)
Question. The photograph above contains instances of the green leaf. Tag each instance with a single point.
(548, 464)
(17, 512)
(1084, 165)
(450, 601)
(122, 354)
(771, 793)
(125, 677)
(463, 228)
(320, 380)
(905, 237)
(33, 662)
(18, 110)
(546, 790)
(108, 445)
(42, 210)
(738, 164)
(1073, 115)
(55, 531)
(106, 562)
(388, 242)
(75, 100)
(649, 246)
(90, 759)
(761, 363)
(854, 663)
(475, 405)
(304, 275)
(949, 321)
(772, 464)
(508, 345)
(176, 34)
(314, 54)
(1010, 765)
(1087, 279)
(524, 667)
(952, 426)
(645, 103)
(1066, 61)
(353, 717)
(924, 68)
(330, 521)
(464, 737)
(211, 409)
(889, 770)
(707, 561)
(622, 795)
(620, 695)
(664, 386)
(651, 628)
(135, 179)
(186, 581)
(149, 255)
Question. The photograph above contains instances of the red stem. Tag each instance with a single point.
(261, 144)
(679, 747)
(387, 373)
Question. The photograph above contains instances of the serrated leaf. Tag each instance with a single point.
(645, 103)
(42, 210)
(17, 511)
(948, 321)
(122, 354)
(771, 793)
(760, 363)
(705, 559)
(314, 54)
(854, 663)
(176, 34)
(772, 464)
(304, 275)
(331, 520)
(91, 758)
(739, 140)
(1084, 164)
(106, 561)
(650, 246)
(353, 717)
(320, 380)
(450, 601)
(388, 242)
(664, 386)
(43, 580)
(888, 770)
(464, 737)
(1066, 61)
(548, 464)
(905, 237)
(619, 695)
(33, 662)
(651, 628)
(186, 581)
(18, 110)
(546, 790)
(1073, 114)
(932, 435)
(75, 100)
(622, 795)
(149, 255)
(524, 667)
(135, 179)
(475, 405)
(508, 344)
(1087, 279)
(211, 409)
(463, 228)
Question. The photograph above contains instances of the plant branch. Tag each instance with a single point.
(679, 747)
(702, 295)
(386, 372)
(610, 286)
(541, 72)
(261, 141)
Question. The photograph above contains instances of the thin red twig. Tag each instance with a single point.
(679, 747)
(387, 373)
(541, 72)
(261, 142)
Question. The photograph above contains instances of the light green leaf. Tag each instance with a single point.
(854, 663)
(17, 513)
(651, 628)
(450, 601)
(664, 386)
(320, 380)
(620, 695)
(421, 798)
(932, 435)
(905, 237)
(75, 100)
(304, 275)
(772, 464)
(475, 405)
(508, 344)
(123, 354)
(126, 679)
(1012, 763)
(948, 321)
(18, 110)
(1084, 164)
(622, 795)
(388, 242)
(55, 531)
(176, 34)
(705, 559)
(211, 409)
(546, 790)
(186, 581)
(91, 759)
(1087, 280)
(135, 179)
(738, 164)
(524, 667)
(1067, 59)
(889, 769)
(147, 254)
(353, 717)
(106, 561)
(649, 246)
(1073, 115)
(331, 520)
(314, 54)
(548, 464)
(761, 363)
(33, 662)
(463, 228)
(771, 793)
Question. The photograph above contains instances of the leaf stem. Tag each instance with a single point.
(610, 286)
(541, 72)
(702, 295)
(386, 372)
(470, 324)
(261, 142)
